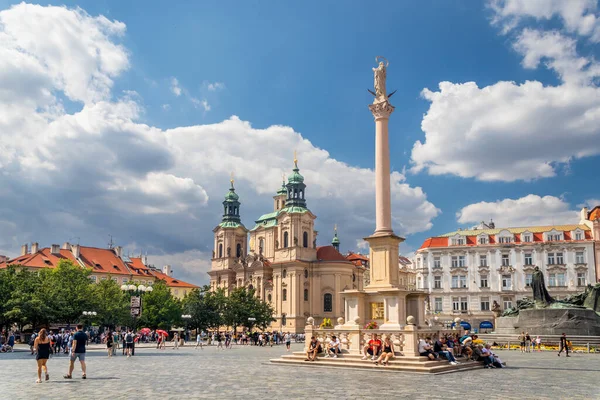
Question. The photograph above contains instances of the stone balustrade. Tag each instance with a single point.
(354, 338)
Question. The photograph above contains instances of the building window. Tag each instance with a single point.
(284, 273)
(550, 258)
(482, 261)
(454, 261)
(464, 304)
(437, 282)
(507, 302)
(220, 252)
(559, 258)
(483, 240)
(286, 239)
(485, 304)
(306, 273)
(93, 278)
(305, 294)
(463, 281)
(581, 279)
(578, 236)
(436, 262)
(528, 279)
(116, 280)
(505, 260)
(528, 259)
(305, 239)
(554, 238)
(560, 280)
(454, 281)
(328, 302)
(506, 282)
(284, 294)
(505, 239)
(377, 311)
(269, 297)
(552, 280)
(462, 261)
(579, 257)
(527, 238)
(455, 304)
(238, 250)
(437, 307)
(483, 282)
(458, 242)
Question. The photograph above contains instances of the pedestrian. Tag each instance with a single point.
(538, 342)
(11, 341)
(522, 341)
(219, 341)
(109, 344)
(129, 342)
(563, 345)
(32, 342)
(42, 347)
(527, 342)
(78, 352)
(199, 341)
(176, 341)
(288, 341)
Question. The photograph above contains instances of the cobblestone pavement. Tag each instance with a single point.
(244, 372)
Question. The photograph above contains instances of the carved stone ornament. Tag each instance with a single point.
(381, 110)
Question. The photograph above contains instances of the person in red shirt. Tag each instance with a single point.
(372, 348)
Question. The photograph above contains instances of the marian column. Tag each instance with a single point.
(383, 243)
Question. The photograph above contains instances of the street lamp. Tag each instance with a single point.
(186, 318)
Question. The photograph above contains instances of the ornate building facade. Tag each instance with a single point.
(280, 259)
(467, 271)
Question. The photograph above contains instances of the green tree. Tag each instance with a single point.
(27, 304)
(111, 304)
(67, 290)
(7, 279)
(204, 308)
(243, 308)
(159, 308)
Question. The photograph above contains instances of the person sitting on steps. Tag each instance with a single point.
(372, 348)
(387, 352)
(334, 346)
(314, 348)
(426, 350)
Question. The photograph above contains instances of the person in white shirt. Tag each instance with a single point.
(334, 347)
(288, 341)
(199, 342)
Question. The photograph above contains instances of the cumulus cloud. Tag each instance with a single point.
(175, 88)
(101, 170)
(511, 131)
(213, 87)
(525, 211)
(578, 16)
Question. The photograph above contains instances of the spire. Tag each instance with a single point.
(295, 187)
(336, 241)
(282, 189)
(231, 206)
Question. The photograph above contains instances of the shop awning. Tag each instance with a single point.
(486, 325)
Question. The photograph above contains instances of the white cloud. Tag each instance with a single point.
(578, 16)
(591, 203)
(190, 266)
(175, 88)
(525, 211)
(100, 170)
(509, 131)
(166, 107)
(203, 104)
(213, 87)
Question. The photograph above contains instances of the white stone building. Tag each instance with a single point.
(466, 271)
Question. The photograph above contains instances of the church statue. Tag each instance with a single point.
(540, 294)
(295, 241)
(496, 309)
(229, 252)
(213, 254)
(276, 244)
(379, 81)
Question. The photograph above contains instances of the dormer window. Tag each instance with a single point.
(505, 239)
(458, 241)
(483, 240)
(554, 236)
(577, 235)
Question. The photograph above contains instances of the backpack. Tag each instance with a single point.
(129, 338)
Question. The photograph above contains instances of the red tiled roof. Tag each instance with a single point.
(435, 242)
(357, 257)
(404, 261)
(329, 253)
(170, 281)
(594, 214)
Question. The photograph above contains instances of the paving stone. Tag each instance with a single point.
(245, 372)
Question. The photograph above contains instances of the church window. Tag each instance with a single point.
(220, 250)
(328, 302)
(305, 294)
(238, 250)
(250, 287)
(269, 297)
(284, 294)
(306, 273)
(284, 273)
(286, 239)
(278, 204)
(261, 245)
(302, 194)
(305, 239)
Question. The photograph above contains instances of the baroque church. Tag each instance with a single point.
(280, 259)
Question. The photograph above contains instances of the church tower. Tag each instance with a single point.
(336, 241)
(230, 242)
(280, 197)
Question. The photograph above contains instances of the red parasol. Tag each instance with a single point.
(161, 332)
(145, 331)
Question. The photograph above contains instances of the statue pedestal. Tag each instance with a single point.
(551, 321)
(384, 262)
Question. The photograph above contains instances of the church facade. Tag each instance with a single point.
(280, 259)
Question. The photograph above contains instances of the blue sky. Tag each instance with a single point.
(497, 149)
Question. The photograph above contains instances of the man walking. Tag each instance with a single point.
(129, 342)
(199, 341)
(563, 345)
(78, 351)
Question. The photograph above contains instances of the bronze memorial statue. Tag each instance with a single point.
(540, 293)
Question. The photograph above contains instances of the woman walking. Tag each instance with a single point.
(109, 344)
(42, 347)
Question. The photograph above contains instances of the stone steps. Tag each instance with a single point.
(398, 364)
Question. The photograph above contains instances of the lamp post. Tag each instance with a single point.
(135, 294)
(186, 318)
(87, 317)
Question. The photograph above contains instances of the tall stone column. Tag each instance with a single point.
(383, 244)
